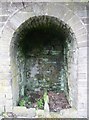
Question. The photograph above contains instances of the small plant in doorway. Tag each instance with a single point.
(40, 103)
(22, 102)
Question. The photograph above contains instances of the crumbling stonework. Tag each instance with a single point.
(13, 14)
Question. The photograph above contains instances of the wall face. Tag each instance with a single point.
(14, 14)
(88, 54)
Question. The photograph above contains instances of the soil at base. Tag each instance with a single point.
(57, 101)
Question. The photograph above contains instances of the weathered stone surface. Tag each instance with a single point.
(3, 18)
(0, 117)
(73, 20)
(1, 24)
(1, 108)
(71, 113)
(77, 27)
(82, 67)
(82, 113)
(82, 76)
(85, 20)
(7, 8)
(24, 112)
(68, 15)
(82, 83)
(81, 31)
(20, 111)
(59, 10)
(77, 6)
(82, 52)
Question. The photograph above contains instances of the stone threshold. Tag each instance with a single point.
(23, 112)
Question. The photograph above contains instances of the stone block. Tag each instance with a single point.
(31, 112)
(83, 44)
(77, 27)
(5, 7)
(5, 77)
(4, 47)
(44, 114)
(82, 84)
(1, 24)
(59, 10)
(19, 18)
(69, 113)
(8, 89)
(8, 108)
(15, 23)
(27, 7)
(10, 7)
(82, 113)
(81, 31)
(82, 76)
(82, 68)
(7, 36)
(82, 80)
(81, 13)
(16, 5)
(2, 99)
(9, 95)
(24, 112)
(40, 8)
(82, 92)
(82, 106)
(83, 101)
(77, 6)
(8, 32)
(1, 108)
(74, 20)
(3, 18)
(8, 102)
(2, 89)
(20, 111)
(85, 20)
(68, 16)
(82, 52)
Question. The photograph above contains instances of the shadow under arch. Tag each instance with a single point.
(42, 49)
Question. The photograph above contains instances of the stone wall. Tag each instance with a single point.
(13, 14)
(87, 55)
(53, 63)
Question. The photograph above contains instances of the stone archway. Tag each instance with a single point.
(68, 17)
(52, 35)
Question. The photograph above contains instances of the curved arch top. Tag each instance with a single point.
(41, 25)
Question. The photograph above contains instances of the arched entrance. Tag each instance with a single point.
(77, 82)
(42, 52)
